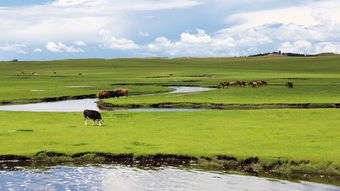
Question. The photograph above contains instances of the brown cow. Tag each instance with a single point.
(289, 84)
(253, 84)
(261, 83)
(234, 83)
(104, 94)
(264, 83)
(122, 92)
(222, 84)
(242, 84)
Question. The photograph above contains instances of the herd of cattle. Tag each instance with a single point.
(253, 84)
(95, 115)
(114, 93)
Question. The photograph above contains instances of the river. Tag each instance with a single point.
(123, 178)
(82, 104)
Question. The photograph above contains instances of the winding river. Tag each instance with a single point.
(117, 177)
(81, 104)
(122, 178)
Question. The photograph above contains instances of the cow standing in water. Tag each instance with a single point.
(94, 115)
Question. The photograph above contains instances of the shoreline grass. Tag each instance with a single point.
(290, 144)
(269, 134)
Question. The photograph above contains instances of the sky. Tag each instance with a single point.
(69, 29)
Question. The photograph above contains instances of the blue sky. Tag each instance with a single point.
(59, 29)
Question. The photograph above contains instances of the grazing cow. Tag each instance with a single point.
(222, 84)
(289, 84)
(94, 115)
(104, 94)
(122, 92)
(234, 83)
(253, 84)
(242, 84)
(261, 83)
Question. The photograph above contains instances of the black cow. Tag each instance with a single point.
(94, 115)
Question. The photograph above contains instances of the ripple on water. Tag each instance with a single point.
(115, 177)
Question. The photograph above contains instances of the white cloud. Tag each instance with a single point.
(199, 44)
(37, 50)
(71, 20)
(308, 26)
(300, 46)
(144, 34)
(80, 43)
(60, 47)
(327, 47)
(15, 47)
(115, 5)
(112, 42)
(297, 15)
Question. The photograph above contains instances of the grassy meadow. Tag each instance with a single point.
(316, 78)
(270, 134)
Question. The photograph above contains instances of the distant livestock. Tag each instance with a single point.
(231, 83)
(94, 115)
(114, 94)
(289, 84)
(257, 83)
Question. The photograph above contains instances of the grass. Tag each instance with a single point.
(237, 95)
(316, 78)
(268, 134)
(271, 135)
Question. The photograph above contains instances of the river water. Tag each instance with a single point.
(82, 104)
(122, 178)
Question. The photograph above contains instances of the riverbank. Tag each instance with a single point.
(280, 169)
(107, 105)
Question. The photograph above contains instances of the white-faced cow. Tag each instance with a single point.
(94, 115)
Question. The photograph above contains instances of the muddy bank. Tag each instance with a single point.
(106, 105)
(47, 99)
(283, 169)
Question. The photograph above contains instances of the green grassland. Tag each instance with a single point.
(316, 78)
(268, 134)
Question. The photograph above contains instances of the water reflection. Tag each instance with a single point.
(115, 177)
(80, 105)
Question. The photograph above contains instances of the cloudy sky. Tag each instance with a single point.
(58, 29)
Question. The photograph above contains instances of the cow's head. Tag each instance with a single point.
(100, 122)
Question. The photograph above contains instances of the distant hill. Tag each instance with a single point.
(327, 54)
(274, 54)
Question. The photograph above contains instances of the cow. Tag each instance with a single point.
(242, 84)
(234, 83)
(253, 84)
(104, 94)
(94, 115)
(289, 84)
(264, 83)
(123, 92)
(222, 84)
(114, 93)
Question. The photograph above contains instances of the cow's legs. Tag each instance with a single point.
(85, 119)
(93, 123)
